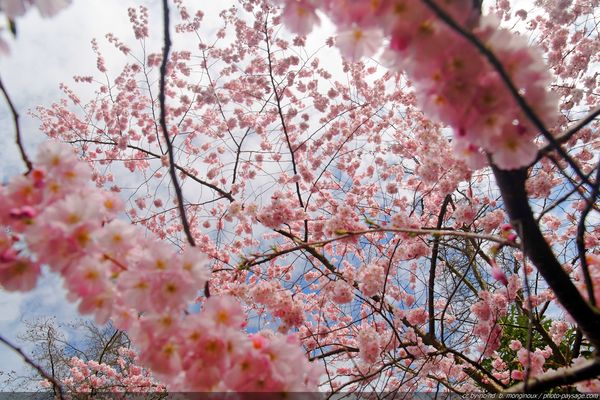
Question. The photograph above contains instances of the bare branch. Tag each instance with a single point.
(575, 128)
(163, 124)
(55, 384)
(15, 117)
(280, 112)
(187, 173)
(343, 349)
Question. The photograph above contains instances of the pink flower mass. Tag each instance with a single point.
(147, 276)
(408, 205)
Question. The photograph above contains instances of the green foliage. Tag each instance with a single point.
(516, 326)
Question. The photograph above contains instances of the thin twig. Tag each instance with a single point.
(569, 133)
(519, 229)
(15, 117)
(280, 113)
(576, 128)
(558, 202)
(343, 349)
(432, 232)
(187, 173)
(311, 246)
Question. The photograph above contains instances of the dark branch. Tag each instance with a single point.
(580, 241)
(15, 117)
(576, 128)
(163, 123)
(187, 173)
(345, 349)
(512, 187)
(434, 257)
(280, 112)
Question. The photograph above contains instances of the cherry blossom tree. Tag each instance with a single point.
(301, 222)
(90, 377)
(98, 360)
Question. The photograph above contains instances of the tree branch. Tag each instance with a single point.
(580, 240)
(343, 349)
(575, 128)
(187, 173)
(587, 370)
(163, 123)
(55, 384)
(15, 117)
(434, 256)
(280, 113)
(512, 188)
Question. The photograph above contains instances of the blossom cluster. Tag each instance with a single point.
(280, 303)
(53, 217)
(488, 310)
(280, 211)
(125, 376)
(372, 279)
(454, 83)
(369, 345)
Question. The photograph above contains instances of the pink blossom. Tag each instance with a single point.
(25, 212)
(19, 274)
(195, 265)
(99, 304)
(535, 360)
(49, 8)
(417, 316)
(171, 289)
(88, 277)
(470, 152)
(372, 278)
(224, 310)
(515, 345)
(300, 16)
(13, 8)
(499, 275)
(357, 42)
(369, 345)
(342, 292)
(512, 151)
